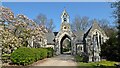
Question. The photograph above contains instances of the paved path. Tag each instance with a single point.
(61, 60)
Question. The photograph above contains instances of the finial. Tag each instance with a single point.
(65, 9)
(95, 22)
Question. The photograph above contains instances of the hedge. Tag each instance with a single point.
(78, 58)
(50, 52)
(25, 56)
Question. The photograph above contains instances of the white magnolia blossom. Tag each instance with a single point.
(20, 30)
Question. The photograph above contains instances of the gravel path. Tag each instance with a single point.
(61, 60)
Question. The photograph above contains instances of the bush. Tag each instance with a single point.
(65, 49)
(78, 58)
(50, 52)
(25, 56)
(43, 53)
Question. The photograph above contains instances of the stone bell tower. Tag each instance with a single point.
(65, 23)
(65, 32)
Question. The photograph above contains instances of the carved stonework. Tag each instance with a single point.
(94, 39)
(88, 43)
(65, 30)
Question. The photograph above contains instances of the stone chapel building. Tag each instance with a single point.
(88, 43)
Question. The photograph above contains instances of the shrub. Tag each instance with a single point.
(65, 49)
(50, 52)
(25, 56)
(42, 53)
(78, 58)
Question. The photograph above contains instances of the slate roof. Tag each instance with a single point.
(50, 38)
(86, 34)
(94, 26)
(79, 36)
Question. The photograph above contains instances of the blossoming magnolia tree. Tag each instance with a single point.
(20, 31)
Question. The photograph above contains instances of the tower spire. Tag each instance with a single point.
(65, 16)
(65, 9)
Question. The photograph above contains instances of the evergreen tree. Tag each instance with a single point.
(118, 27)
(116, 14)
(111, 49)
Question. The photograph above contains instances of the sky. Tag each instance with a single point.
(53, 10)
(59, 0)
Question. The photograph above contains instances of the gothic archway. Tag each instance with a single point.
(65, 48)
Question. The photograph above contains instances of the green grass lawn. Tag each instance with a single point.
(101, 64)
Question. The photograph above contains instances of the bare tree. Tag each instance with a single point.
(50, 25)
(41, 19)
(105, 25)
(80, 23)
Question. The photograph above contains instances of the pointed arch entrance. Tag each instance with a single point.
(60, 38)
(65, 45)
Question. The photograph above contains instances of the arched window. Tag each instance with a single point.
(97, 38)
(100, 39)
(65, 19)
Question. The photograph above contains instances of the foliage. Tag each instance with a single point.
(50, 25)
(80, 23)
(81, 57)
(41, 19)
(116, 14)
(108, 29)
(66, 44)
(101, 64)
(19, 31)
(78, 58)
(116, 5)
(65, 49)
(50, 52)
(25, 56)
(110, 49)
(9, 42)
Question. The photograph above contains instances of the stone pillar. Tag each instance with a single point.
(57, 48)
(90, 58)
(73, 46)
